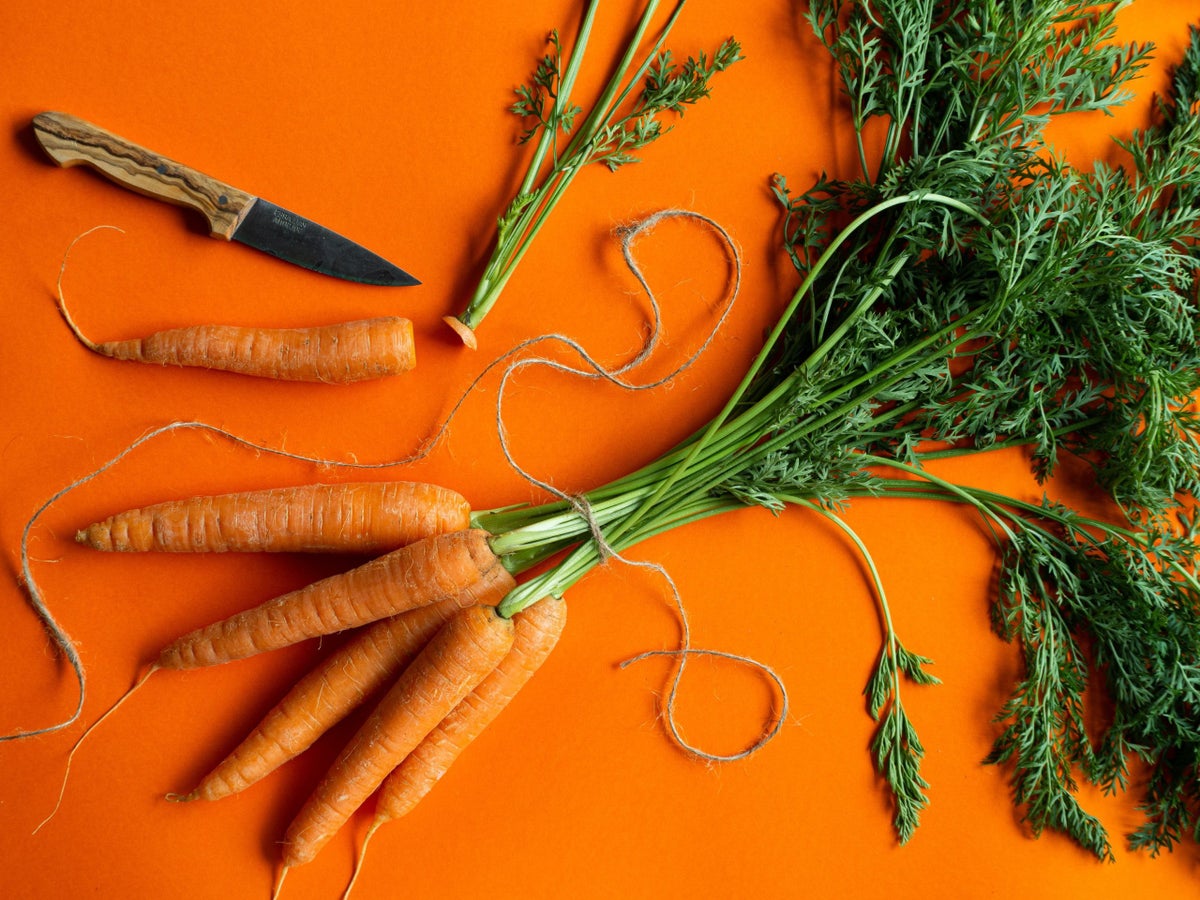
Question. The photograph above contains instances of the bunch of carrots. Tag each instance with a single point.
(431, 653)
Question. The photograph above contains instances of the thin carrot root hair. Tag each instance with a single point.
(62, 790)
(341, 683)
(361, 857)
(277, 889)
(463, 652)
(421, 573)
(340, 353)
(357, 517)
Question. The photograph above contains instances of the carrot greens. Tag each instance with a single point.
(627, 116)
(967, 290)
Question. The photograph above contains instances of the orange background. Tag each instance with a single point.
(387, 122)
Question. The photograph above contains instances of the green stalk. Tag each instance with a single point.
(549, 135)
(579, 151)
(605, 106)
(714, 429)
(587, 555)
(511, 248)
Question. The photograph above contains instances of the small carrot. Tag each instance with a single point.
(328, 693)
(423, 572)
(352, 518)
(463, 652)
(340, 353)
(537, 629)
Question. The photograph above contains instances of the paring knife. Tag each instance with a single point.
(232, 214)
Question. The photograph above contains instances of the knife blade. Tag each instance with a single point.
(232, 214)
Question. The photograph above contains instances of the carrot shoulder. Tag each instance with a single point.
(341, 353)
(342, 681)
(463, 652)
(424, 572)
(351, 518)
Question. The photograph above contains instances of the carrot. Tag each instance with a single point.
(339, 684)
(341, 353)
(354, 518)
(466, 649)
(537, 629)
(424, 572)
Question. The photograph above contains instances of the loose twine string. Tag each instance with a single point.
(590, 368)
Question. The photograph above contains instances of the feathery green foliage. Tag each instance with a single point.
(969, 289)
(629, 115)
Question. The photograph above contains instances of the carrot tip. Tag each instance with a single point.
(279, 883)
(463, 330)
(182, 798)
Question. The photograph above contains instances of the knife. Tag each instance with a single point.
(232, 214)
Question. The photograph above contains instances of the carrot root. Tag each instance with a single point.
(341, 353)
(464, 331)
(463, 652)
(421, 573)
(364, 517)
(329, 692)
(537, 630)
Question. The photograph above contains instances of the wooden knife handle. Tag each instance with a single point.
(70, 141)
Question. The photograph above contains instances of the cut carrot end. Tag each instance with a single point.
(463, 331)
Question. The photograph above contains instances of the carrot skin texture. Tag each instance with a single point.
(466, 649)
(337, 686)
(370, 517)
(537, 630)
(424, 572)
(342, 353)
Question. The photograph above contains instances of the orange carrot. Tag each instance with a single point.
(537, 629)
(328, 693)
(353, 518)
(466, 649)
(340, 353)
(424, 572)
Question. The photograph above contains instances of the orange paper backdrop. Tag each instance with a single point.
(388, 122)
